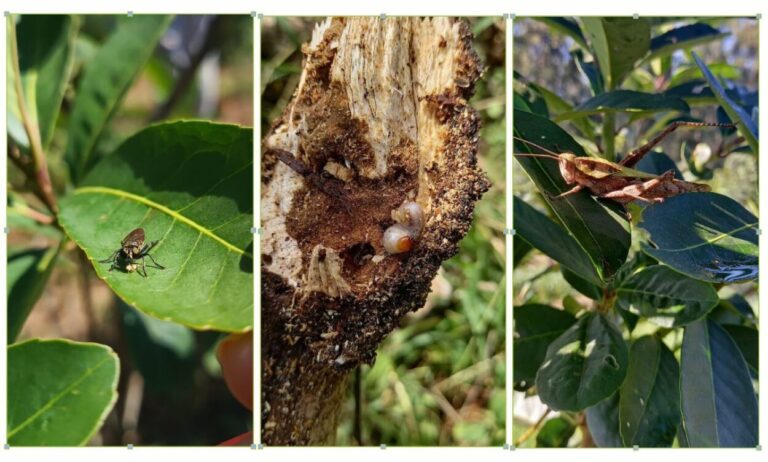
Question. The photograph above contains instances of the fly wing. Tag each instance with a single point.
(135, 237)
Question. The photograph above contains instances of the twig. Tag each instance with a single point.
(534, 428)
(40, 169)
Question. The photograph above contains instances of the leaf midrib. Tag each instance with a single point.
(172, 213)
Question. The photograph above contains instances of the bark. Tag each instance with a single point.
(380, 116)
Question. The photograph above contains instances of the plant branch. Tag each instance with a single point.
(609, 136)
(533, 429)
(41, 176)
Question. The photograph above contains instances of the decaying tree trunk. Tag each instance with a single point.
(380, 117)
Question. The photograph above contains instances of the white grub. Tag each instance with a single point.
(403, 235)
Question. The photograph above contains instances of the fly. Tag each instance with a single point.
(132, 251)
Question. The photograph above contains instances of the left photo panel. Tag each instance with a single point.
(130, 251)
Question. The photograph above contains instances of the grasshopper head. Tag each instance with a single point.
(567, 166)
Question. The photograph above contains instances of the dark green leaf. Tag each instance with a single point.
(590, 71)
(666, 297)
(695, 90)
(582, 285)
(46, 50)
(189, 185)
(531, 101)
(649, 407)
(747, 127)
(520, 249)
(627, 101)
(105, 80)
(658, 163)
(618, 43)
(603, 422)
(535, 328)
(28, 272)
(681, 38)
(748, 341)
(555, 433)
(566, 26)
(718, 401)
(552, 239)
(706, 236)
(583, 366)
(59, 391)
(601, 230)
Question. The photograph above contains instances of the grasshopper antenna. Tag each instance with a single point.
(549, 154)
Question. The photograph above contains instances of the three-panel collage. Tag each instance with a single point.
(381, 231)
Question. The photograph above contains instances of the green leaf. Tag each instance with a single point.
(690, 72)
(718, 402)
(59, 391)
(681, 38)
(666, 297)
(555, 105)
(105, 80)
(566, 26)
(649, 406)
(520, 249)
(536, 326)
(746, 126)
(658, 163)
(28, 272)
(582, 285)
(552, 239)
(706, 236)
(748, 340)
(555, 433)
(46, 51)
(626, 101)
(601, 230)
(618, 43)
(583, 366)
(603, 422)
(189, 185)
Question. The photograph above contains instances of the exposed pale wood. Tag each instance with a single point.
(379, 117)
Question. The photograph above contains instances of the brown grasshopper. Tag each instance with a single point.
(618, 181)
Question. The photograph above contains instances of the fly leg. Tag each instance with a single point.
(143, 271)
(111, 259)
(157, 265)
(145, 253)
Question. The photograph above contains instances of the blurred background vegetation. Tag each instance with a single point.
(439, 378)
(546, 56)
(170, 391)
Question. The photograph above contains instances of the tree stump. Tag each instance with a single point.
(379, 117)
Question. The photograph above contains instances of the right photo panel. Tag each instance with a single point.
(636, 232)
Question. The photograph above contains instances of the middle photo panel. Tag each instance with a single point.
(382, 212)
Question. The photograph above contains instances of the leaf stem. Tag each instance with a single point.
(609, 136)
(533, 429)
(608, 301)
(39, 170)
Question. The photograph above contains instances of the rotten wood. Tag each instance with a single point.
(380, 117)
